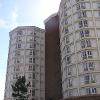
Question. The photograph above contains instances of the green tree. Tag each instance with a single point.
(20, 89)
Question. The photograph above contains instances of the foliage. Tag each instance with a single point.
(20, 89)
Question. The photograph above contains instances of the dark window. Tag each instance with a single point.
(85, 23)
(91, 90)
(31, 45)
(33, 75)
(30, 60)
(66, 30)
(68, 49)
(83, 44)
(88, 43)
(68, 60)
(80, 24)
(84, 13)
(33, 92)
(88, 66)
(67, 39)
(19, 32)
(84, 56)
(30, 68)
(19, 45)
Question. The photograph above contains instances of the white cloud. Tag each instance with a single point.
(13, 20)
(2, 23)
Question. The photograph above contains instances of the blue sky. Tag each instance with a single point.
(14, 13)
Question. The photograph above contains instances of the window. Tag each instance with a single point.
(70, 93)
(98, 13)
(33, 75)
(30, 68)
(32, 52)
(88, 66)
(84, 33)
(80, 24)
(29, 84)
(33, 60)
(88, 43)
(33, 68)
(68, 49)
(31, 45)
(86, 79)
(34, 39)
(67, 39)
(17, 68)
(66, 30)
(89, 78)
(69, 82)
(91, 90)
(98, 5)
(84, 55)
(81, 6)
(78, 6)
(34, 33)
(17, 60)
(68, 60)
(17, 53)
(31, 33)
(85, 43)
(19, 39)
(18, 46)
(91, 65)
(66, 22)
(65, 13)
(30, 60)
(87, 54)
(79, 15)
(69, 71)
(82, 14)
(85, 23)
(34, 45)
(19, 32)
(33, 92)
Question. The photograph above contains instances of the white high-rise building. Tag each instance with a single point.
(80, 47)
(26, 57)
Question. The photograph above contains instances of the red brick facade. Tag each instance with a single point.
(52, 59)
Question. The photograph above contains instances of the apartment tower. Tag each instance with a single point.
(79, 23)
(52, 61)
(26, 57)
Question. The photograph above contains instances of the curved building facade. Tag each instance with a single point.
(26, 57)
(79, 24)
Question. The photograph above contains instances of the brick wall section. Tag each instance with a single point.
(52, 60)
